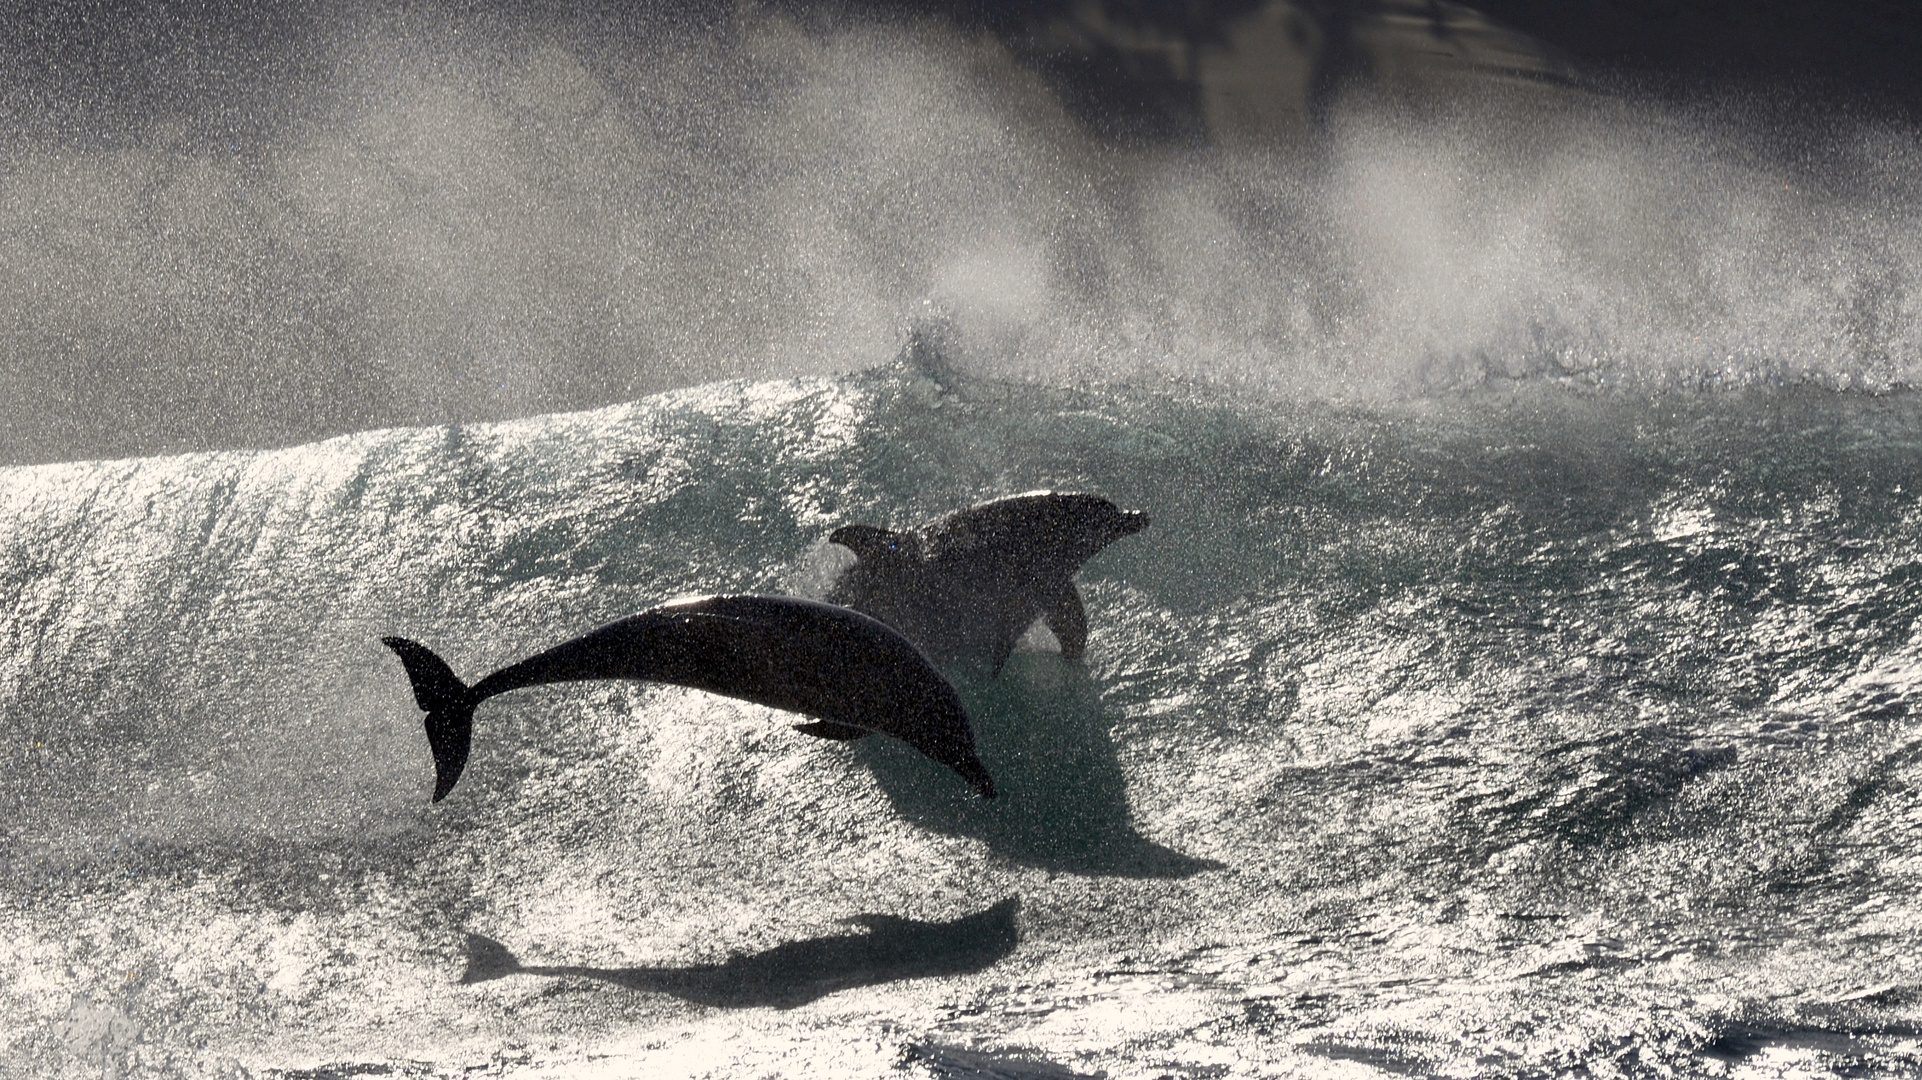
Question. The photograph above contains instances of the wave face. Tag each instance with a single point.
(1498, 737)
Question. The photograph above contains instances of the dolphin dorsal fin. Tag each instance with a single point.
(871, 543)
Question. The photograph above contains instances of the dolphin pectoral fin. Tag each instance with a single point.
(1068, 619)
(1004, 641)
(827, 729)
(866, 541)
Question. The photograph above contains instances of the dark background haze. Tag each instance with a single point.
(229, 226)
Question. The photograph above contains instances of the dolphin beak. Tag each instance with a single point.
(976, 774)
(1133, 522)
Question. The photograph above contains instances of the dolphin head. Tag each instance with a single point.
(975, 773)
(1088, 523)
(1130, 522)
(945, 736)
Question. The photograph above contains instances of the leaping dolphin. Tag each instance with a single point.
(850, 672)
(972, 583)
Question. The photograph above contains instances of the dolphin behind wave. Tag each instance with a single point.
(850, 672)
(972, 582)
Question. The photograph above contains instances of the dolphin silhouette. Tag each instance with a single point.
(971, 583)
(850, 672)
(797, 972)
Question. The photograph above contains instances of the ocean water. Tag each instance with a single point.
(1546, 728)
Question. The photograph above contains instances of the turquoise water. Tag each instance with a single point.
(1515, 732)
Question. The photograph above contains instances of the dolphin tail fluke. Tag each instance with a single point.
(487, 959)
(449, 705)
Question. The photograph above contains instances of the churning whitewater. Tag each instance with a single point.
(1532, 732)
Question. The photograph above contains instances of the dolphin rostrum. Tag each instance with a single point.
(848, 671)
(972, 583)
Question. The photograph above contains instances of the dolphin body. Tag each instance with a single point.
(971, 583)
(850, 672)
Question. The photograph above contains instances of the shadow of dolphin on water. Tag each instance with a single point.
(1043, 731)
(797, 972)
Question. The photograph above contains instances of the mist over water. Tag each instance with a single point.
(373, 216)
